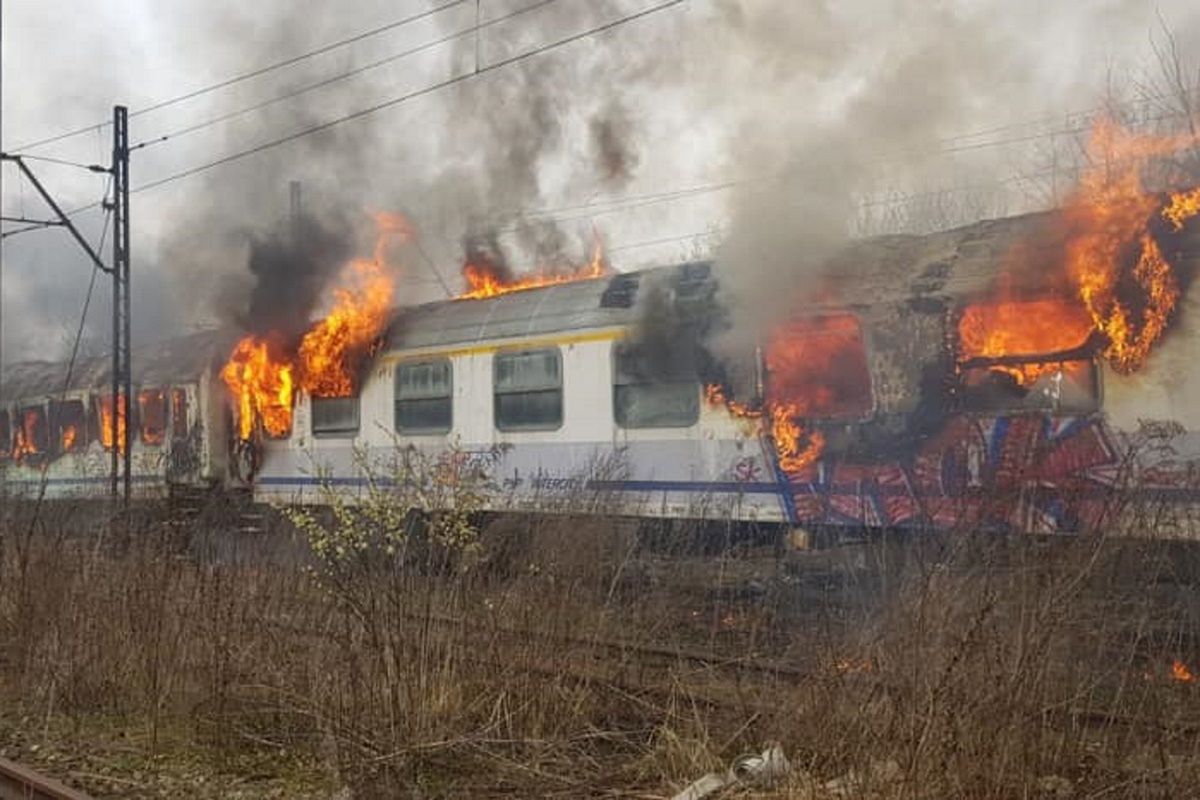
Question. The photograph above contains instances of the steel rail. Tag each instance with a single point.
(21, 783)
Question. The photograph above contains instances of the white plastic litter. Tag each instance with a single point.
(758, 769)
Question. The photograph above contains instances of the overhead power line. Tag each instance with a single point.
(254, 73)
(667, 240)
(1066, 131)
(343, 75)
(1085, 113)
(432, 88)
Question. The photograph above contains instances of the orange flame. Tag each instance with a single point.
(262, 375)
(1110, 215)
(1121, 284)
(797, 446)
(1022, 327)
(262, 385)
(24, 442)
(850, 666)
(152, 413)
(484, 280)
(104, 405)
(331, 351)
(69, 437)
(1181, 673)
(816, 367)
(714, 394)
(1183, 206)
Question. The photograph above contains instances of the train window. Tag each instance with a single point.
(30, 433)
(528, 390)
(152, 412)
(68, 425)
(424, 397)
(823, 361)
(1056, 386)
(104, 412)
(642, 400)
(179, 410)
(5, 446)
(334, 416)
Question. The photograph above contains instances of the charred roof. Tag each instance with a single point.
(182, 359)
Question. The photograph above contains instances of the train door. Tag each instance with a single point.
(183, 460)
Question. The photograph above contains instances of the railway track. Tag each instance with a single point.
(21, 783)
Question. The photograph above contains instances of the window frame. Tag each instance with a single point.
(55, 423)
(177, 423)
(144, 398)
(615, 358)
(967, 404)
(338, 433)
(559, 389)
(42, 449)
(131, 422)
(397, 399)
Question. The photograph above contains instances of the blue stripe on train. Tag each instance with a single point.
(1176, 493)
(625, 486)
(77, 481)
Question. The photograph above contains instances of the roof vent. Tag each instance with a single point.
(621, 291)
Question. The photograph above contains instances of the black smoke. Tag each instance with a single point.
(290, 266)
(483, 253)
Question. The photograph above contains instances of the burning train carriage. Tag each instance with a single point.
(893, 405)
(58, 439)
(544, 387)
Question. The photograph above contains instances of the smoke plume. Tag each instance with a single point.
(807, 106)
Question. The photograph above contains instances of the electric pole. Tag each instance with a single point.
(122, 372)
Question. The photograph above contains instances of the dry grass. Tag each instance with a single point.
(563, 657)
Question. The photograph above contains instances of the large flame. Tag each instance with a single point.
(1182, 207)
(262, 372)
(1109, 216)
(1022, 327)
(1121, 283)
(331, 352)
(260, 379)
(104, 405)
(816, 368)
(484, 279)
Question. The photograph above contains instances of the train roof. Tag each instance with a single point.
(573, 305)
(181, 359)
(880, 270)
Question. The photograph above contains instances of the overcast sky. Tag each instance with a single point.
(886, 97)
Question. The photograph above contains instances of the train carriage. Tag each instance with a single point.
(615, 388)
(537, 385)
(56, 426)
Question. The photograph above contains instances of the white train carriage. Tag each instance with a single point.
(536, 385)
(56, 433)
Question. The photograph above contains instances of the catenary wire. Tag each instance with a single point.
(245, 76)
(198, 126)
(403, 98)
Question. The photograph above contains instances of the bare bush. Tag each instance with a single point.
(410, 645)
